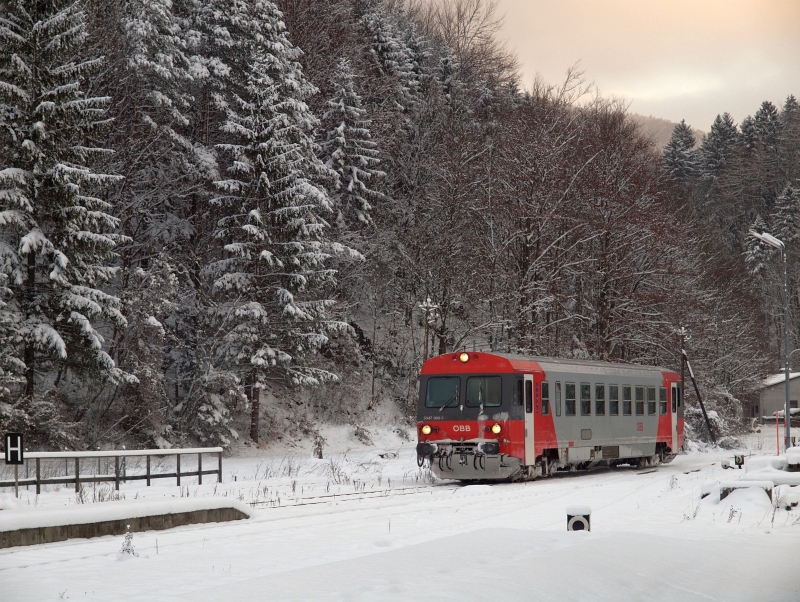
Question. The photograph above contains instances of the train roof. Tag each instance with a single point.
(570, 362)
(509, 362)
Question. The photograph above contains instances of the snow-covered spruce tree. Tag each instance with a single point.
(718, 147)
(680, 160)
(57, 234)
(786, 217)
(271, 226)
(161, 203)
(350, 152)
(392, 59)
(757, 253)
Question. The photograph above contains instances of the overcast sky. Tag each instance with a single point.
(675, 59)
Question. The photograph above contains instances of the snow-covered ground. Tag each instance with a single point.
(387, 532)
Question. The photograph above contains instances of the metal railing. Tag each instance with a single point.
(120, 473)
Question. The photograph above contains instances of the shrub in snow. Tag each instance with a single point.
(724, 413)
(127, 545)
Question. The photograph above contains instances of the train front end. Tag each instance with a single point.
(469, 425)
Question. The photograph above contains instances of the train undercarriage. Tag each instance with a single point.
(480, 460)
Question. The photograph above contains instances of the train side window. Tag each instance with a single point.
(518, 393)
(626, 400)
(545, 399)
(640, 401)
(586, 399)
(662, 400)
(613, 400)
(528, 396)
(569, 401)
(600, 399)
(558, 399)
(651, 401)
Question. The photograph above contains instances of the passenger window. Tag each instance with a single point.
(528, 396)
(626, 400)
(586, 399)
(558, 399)
(600, 400)
(651, 401)
(518, 393)
(569, 401)
(640, 401)
(613, 400)
(483, 391)
(545, 399)
(662, 400)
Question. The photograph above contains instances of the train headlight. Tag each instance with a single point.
(496, 429)
(426, 429)
(464, 357)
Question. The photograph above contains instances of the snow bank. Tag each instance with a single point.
(9, 502)
(758, 463)
(80, 514)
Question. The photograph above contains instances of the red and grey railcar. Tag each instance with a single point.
(489, 416)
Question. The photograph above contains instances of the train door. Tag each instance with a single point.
(530, 450)
(673, 417)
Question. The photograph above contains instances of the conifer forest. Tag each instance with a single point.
(232, 221)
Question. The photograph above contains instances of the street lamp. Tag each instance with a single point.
(774, 242)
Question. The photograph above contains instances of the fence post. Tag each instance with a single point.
(38, 478)
(178, 471)
(116, 471)
(199, 469)
(77, 475)
(148, 471)
(219, 470)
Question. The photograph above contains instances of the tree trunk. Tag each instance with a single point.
(255, 404)
(30, 352)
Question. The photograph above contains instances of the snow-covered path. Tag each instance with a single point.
(477, 542)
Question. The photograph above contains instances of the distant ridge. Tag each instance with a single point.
(661, 129)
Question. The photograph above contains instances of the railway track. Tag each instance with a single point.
(335, 498)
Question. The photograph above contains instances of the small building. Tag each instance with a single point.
(772, 396)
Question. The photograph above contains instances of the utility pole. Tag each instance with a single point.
(778, 244)
(428, 307)
(682, 335)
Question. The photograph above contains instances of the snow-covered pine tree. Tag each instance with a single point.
(790, 139)
(350, 152)
(718, 146)
(786, 217)
(757, 254)
(392, 59)
(163, 199)
(271, 226)
(57, 233)
(767, 125)
(680, 160)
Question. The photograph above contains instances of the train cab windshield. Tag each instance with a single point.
(443, 392)
(483, 391)
(480, 392)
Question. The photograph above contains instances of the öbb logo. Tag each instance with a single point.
(464, 428)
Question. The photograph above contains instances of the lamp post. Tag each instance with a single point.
(774, 242)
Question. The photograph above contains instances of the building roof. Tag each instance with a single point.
(776, 379)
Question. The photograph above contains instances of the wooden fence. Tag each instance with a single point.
(120, 474)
